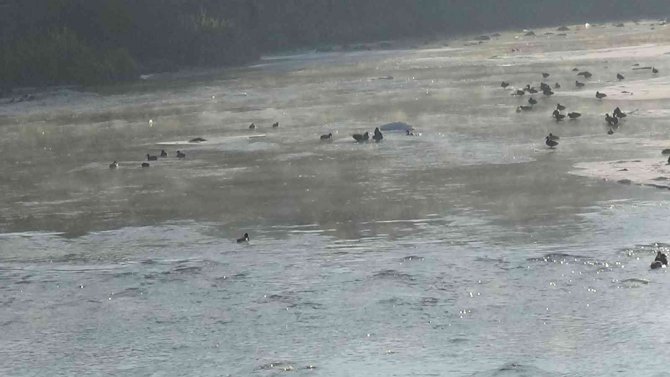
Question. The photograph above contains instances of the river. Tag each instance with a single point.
(471, 249)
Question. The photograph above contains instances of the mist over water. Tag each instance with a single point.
(470, 250)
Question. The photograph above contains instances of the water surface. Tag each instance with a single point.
(470, 250)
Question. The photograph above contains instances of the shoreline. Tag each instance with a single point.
(437, 40)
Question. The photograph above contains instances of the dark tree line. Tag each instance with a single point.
(45, 42)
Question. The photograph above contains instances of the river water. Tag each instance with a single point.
(470, 250)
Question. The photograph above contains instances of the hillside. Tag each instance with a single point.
(47, 42)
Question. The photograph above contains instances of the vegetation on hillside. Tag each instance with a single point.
(46, 42)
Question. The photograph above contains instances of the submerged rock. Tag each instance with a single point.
(396, 126)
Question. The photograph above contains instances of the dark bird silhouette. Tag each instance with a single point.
(545, 75)
(618, 113)
(575, 69)
(611, 121)
(654, 70)
(660, 261)
(548, 92)
(519, 92)
(619, 76)
(328, 137)
(181, 154)
(252, 126)
(558, 116)
(151, 158)
(560, 107)
(553, 137)
(530, 89)
(574, 115)
(532, 101)
(361, 138)
(504, 84)
(114, 165)
(245, 238)
(378, 135)
(163, 153)
(550, 143)
(557, 86)
(524, 108)
(579, 84)
(275, 125)
(600, 95)
(145, 164)
(544, 87)
(586, 74)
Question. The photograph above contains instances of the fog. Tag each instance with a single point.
(469, 248)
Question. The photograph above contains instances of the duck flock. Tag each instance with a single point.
(612, 121)
(545, 90)
(150, 157)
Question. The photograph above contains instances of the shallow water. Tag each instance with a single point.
(471, 250)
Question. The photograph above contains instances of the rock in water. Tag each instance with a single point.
(396, 126)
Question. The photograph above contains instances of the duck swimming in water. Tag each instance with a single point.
(114, 165)
(660, 261)
(361, 138)
(530, 90)
(611, 121)
(557, 86)
(558, 116)
(524, 108)
(550, 143)
(145, 165)
(181, 154)
(545, 75)
(378, 135)
(619, 76)
(275, 125)
(163, 153)
(579, 84)
(618, 113)
(245, 238)
(532, 101)
(151, 158)
(654, 70)
(586, 74)
(252, 126)
(504, 84)
(600, 95)
(560, 107)
(328, 137)
(574, 115)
